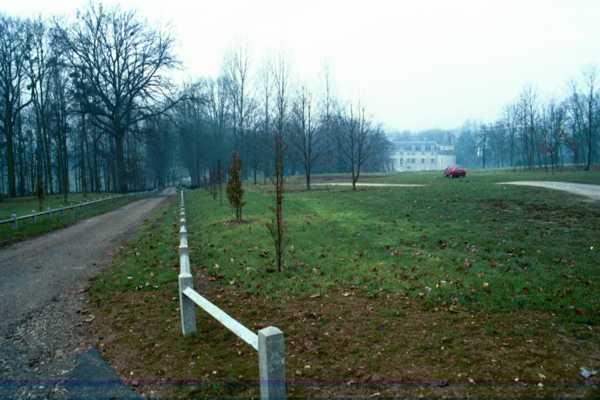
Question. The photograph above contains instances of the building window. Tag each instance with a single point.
(433, 160)
(422, 161)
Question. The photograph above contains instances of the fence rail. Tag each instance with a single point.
(14, 219)
(268, 342)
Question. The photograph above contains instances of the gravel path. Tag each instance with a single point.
(582, 189)
(42, 291)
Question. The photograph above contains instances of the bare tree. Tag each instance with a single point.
(121, 62)
(191, 120)
(528, 118)
(237, 70)
(13, 56)
(219, 108)
(39, 64)
(484, 134)
(586, 104)
(355, 139)
(554, 131)
(276, 227)
(511, 125)
(266, 79)
(305, 135)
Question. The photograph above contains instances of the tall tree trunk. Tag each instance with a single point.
(48, 163)
(10, 155)
(590, 137)
(83, 157)
(121, 184)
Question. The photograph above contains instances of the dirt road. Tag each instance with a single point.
(582, 189)
(42, 283)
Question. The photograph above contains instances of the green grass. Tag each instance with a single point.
(46, 223)
(28, 205)
(460, 278)
(149, 263)
(468, 241)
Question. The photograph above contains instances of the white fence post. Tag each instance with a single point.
(14, 218)
(271, 363)
(183, 235)
(186, 306)
(184, 259)
(269, 342)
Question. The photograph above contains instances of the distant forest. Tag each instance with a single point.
(531, 132)
(89, 105)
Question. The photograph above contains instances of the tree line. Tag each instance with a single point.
(534, 133)
(259, 111)
(90, 105)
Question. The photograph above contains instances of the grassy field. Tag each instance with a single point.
(29, 204)
(47, 223)
(459, 288)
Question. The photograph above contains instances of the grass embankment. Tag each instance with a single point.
(462, 287)
(28, 205)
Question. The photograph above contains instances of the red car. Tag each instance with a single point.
(455, 171)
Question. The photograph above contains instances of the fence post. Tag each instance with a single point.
(14, 218)
(183, 233)
(186, 306)
(34, 216)
(184, 259)
(271, 363)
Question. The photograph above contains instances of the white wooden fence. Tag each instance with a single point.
(14, 219)
(269, 342)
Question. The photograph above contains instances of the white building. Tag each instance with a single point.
(422, 156)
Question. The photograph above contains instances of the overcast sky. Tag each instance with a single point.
(415, 64)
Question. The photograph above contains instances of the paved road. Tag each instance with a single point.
(369, 184)
(582, 189)
(42, 282)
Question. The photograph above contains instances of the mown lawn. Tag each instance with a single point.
(28, 205)
(477, 175)
(461, 287)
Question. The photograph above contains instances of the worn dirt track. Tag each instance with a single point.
(42, 329)
(582, 189)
